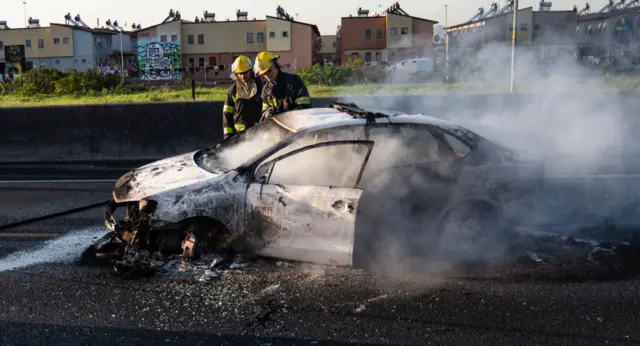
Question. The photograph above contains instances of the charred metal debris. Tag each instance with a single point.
(136, 247)
(357, 112)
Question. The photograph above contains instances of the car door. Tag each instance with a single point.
(302, 205)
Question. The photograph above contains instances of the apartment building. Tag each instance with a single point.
(207, 45)
(329, 49)
(72, 45)
(390, 36)
(609, 33)
(544, 32)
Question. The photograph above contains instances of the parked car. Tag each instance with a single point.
(302, 185)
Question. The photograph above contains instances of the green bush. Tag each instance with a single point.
(5, 88)
(79, 83)
(353, 72)
(37, 81)
(51, 81)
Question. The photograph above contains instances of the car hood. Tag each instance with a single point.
(167, 174)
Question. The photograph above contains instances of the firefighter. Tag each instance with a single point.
(242, 105)
(282, 91)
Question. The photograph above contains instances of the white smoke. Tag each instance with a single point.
(562, 117)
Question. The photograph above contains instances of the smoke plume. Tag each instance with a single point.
(562, 117)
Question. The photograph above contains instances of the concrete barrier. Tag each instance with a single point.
(148, 131)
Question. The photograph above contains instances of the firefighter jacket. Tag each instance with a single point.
(242, 106)
(287, 93)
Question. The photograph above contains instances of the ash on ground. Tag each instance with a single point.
(542, 255)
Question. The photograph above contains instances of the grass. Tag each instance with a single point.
(626, 83)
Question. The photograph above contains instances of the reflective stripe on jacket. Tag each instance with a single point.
(238, 114)
(287, 93)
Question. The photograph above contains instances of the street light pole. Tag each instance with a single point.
(24, 6)
(514, 37)
(446, 43)
(121, 59)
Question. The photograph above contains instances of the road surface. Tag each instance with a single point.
(44, 299)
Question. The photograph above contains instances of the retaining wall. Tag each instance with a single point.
(147, 131)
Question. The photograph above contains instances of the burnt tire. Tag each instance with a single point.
(205, 237)
(471, 235)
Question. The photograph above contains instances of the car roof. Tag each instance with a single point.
(321, 118)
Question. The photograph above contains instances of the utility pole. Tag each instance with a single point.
(121, 59)
(446, 44)
(121, 51)
(24, 6)
(514, 37)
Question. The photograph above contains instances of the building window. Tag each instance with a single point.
(536, 27)
(56, 40)
(379, 34)
(27, 44)
(378, 56)
(57, 62)
(272, 34)
(163, 38)
(174, 38)
(393, 31)
(285, 34)
(192, 61)
(249, 37)
(75, 61)
(65, 40)
(367, 57)
(404, 31)
(334, 44)
(510, 27)
(201, 61)
(200, 38)
(84, 61)
(1, 45)
(260, 37)
(40, 44)
(190, 39)
(524, 27)
(367, 34)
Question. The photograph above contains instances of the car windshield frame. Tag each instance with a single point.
(209, 158)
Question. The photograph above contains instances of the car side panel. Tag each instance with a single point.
(302, 223)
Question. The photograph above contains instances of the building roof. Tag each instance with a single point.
(608, 14)
(182, 21)
(396, 14)
(75, 27)
(93, 30)
(471, 22)
(313, 26)
(510, 13)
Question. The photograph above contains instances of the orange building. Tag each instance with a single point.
(390, 36)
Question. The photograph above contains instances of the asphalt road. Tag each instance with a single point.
(45, 298)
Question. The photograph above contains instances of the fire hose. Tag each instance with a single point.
(53, 215)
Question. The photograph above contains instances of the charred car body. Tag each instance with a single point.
(306, 186)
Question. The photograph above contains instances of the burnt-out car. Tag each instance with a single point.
(297, 187)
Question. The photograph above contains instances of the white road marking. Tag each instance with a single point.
(56, 181)
(64, 249)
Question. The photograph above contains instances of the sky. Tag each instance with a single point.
(324, 13)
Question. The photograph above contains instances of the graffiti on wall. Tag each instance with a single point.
(159, 60)
(624, 33)
(15, 60)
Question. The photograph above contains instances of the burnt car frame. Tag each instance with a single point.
(292, 187)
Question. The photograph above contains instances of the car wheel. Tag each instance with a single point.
(470, 235)
(203, 238)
